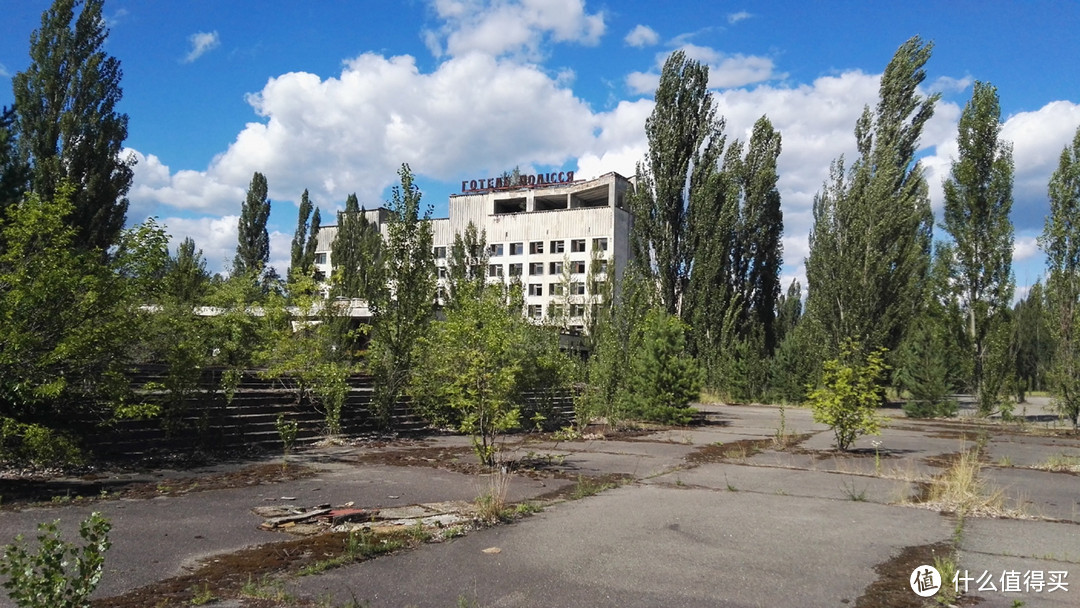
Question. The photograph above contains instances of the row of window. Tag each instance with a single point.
(537, 247)
(555, 311)
(537, 268)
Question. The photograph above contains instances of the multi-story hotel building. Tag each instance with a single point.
(560, 236)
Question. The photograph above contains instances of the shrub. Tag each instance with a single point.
(850, 393)
(60, 574)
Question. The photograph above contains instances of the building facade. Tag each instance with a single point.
(564, 239)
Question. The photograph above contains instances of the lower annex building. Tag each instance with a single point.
(561, 237)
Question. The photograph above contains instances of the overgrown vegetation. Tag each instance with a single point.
(850, 393)
(59, 574)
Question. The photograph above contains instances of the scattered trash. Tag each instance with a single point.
(345, 518)
(492, 550)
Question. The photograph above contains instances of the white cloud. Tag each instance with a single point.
(1025, 248)
(734, 18)
(511, 27)
(216, 236)
(725, 71)
(642, 36)
(202, 43)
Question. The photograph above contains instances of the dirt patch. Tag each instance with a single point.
(225, 576)
(38, 491)
(742, 449)
(585, 486)
(892, 589)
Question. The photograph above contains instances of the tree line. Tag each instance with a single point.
(85, 300)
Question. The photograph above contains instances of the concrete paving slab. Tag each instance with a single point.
(651, 546)
(790, 482)
(1030, 450)
(1042, 493)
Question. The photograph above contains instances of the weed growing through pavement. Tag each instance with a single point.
(1060, 463)
(491, 505)
(588, 487)
(203, 596)
(852, 493)
(946, 565)
(265, 588)
(960, 489)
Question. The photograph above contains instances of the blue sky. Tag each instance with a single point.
(333, 96)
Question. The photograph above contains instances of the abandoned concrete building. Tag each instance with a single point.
(561, 237)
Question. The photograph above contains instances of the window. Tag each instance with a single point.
(536, 268)
(517, 248)
(495, 270)
(577, 267)
(536, 247)
(442, 272)
(577, 246)
(555, 289)
(556, 268)
(577, 288)
(495, 249)
(558, 246)
(536, 289)
(320, 258)
(601, 266)
(440, 253)
(599, 244)
(577, 310)
(515, 270)
(597, 286)
(536, 311)
(555, 311)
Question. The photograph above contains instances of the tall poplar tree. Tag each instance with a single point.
(401, 314)
(68, 126)
(14, 173)
(305, 239)
(978, 199)
(870, 241)
(356, 254)
(253, 242)
(1061, 242)
(467, 265)
(685, 141)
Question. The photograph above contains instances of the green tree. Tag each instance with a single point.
(402, 313)
(299, 264)
(1033, 341)
(66, 330)
(788, 310)
(467, 264)
(685, 141)
(186, 279)
(14, 172)
(472, 369)
(870, 241)
(356, 254)
(60, 574)
(850, 393)
(68, 126)
(1060, 241)
(253, 242)
(978, 200)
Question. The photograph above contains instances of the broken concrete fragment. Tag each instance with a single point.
(278, 522)
(336, 517)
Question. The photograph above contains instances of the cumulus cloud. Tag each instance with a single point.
(1025, 247)
(202, 43)
(511, 27)
(725, 71)
(642, 36)
(734, 18)
(215, 236)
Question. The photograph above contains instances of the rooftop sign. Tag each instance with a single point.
(523, 181)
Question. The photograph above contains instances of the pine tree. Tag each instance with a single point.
(253, 242)
(685, 141)
(308, 261)
(1061, 242)
(870, 242)
(978, 199)
(68, 126)
(356, 254)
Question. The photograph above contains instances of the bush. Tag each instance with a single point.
(946, 408)
(60, 574)
(850, 393)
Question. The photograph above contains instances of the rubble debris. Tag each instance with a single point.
(346, 518)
